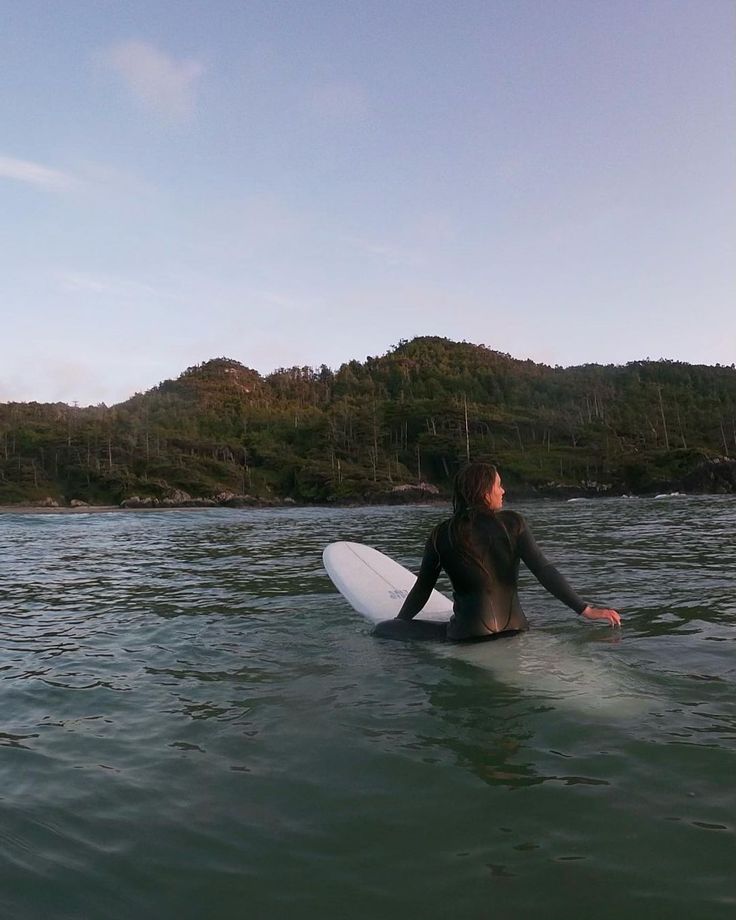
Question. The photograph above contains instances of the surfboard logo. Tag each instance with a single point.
(397, 594)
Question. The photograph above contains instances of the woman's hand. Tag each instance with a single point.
(599, 613)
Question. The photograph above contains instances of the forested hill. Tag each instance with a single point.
(221, 431)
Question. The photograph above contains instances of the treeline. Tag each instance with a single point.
(411, 415)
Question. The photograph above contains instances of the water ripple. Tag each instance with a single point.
(189, 708)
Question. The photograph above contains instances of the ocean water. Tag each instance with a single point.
(195, 724)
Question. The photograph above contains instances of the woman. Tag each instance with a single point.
(479, 548)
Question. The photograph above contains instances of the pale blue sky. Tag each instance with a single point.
(302, 181)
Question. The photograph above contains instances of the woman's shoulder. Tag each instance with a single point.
(511, 520)
(507, 514)
(439, 529)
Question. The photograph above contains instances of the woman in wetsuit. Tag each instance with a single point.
(479, 548)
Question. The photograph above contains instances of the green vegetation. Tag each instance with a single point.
(413, 414)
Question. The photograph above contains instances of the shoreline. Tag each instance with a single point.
(111, 509)
(88, 509)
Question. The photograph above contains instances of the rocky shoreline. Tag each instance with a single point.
(207, 505)
(712, 477)
(424, 493)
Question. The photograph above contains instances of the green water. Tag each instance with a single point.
(194, 724)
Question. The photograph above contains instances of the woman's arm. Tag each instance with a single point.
(548, 576)
(426, 580)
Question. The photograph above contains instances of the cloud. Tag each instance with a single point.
(159, 81)
(392, 255)
(34, 174)
(100, 177)
(84, 283)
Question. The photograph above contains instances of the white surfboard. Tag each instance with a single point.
(375, 586)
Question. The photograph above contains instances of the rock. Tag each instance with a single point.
(178, 497)
(237, 501)
(78, 503)
(717, 475)
(554, 489)
(419, 487)
(592, 485)
(181, 499)
(135, 501)
(47, 502)
(407, 494)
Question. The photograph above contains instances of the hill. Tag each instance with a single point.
(411, 415)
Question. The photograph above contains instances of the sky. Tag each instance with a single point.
(304, 182)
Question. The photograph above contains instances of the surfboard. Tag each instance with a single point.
(375, 587)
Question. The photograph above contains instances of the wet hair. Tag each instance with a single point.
(472, 483)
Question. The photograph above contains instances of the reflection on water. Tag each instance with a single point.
(195, 723)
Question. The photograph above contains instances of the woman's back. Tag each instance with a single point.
(480, 555)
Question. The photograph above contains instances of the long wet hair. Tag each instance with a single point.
(472, 484)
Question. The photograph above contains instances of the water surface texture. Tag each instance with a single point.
(194, 723)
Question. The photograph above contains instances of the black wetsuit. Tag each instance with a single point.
(481, 557)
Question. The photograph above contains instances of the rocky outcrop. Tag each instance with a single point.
(47, 502)
(405, 494)
(588, 488)
(188, 503)
(177, 499)
(135, 501)
(236, 500)
(181, 499)
(717, 475)
(425, 487)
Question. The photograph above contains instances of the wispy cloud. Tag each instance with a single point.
(84, 283)
(430, 232)
(101, 177)
(34, 174)
(392, 255)
(157, 80)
